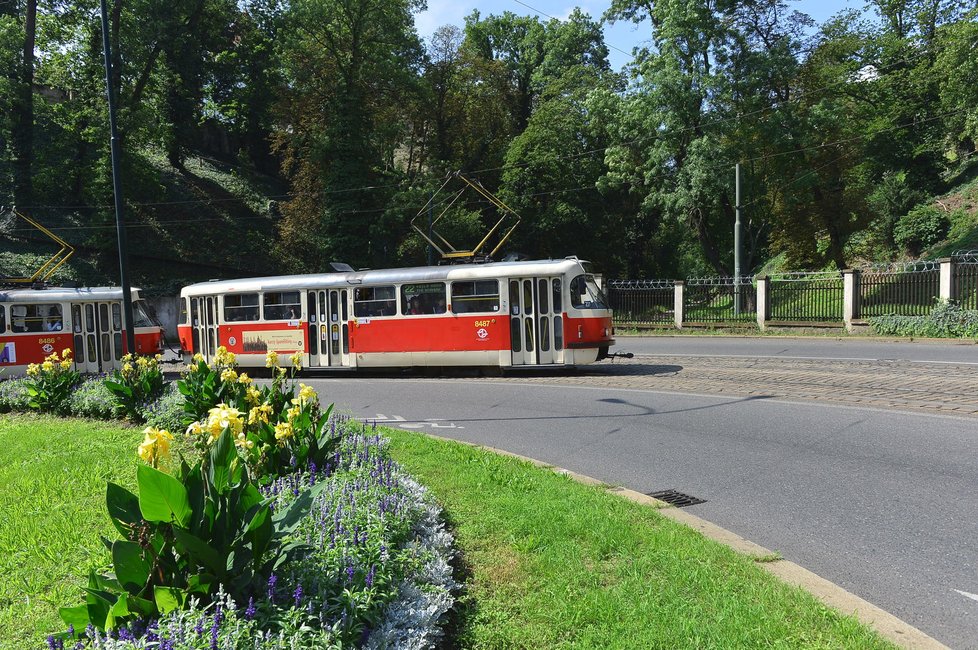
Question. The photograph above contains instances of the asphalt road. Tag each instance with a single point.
(883, 503)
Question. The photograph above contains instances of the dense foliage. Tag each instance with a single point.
(841, 130)
(947, 320)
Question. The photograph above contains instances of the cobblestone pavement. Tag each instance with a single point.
(934, 387)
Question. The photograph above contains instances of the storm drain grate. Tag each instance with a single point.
(677, 499)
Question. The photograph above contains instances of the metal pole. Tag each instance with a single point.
(117, 190)
(736, 242)
(430, 208)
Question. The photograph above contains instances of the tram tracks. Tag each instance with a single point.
(933, 387)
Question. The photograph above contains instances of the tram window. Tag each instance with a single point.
(3, 318)
(117, 317)
(475, 296)
(374, 301)
(558, 303)
(428, 298)
(36, 318)
(558, 332)
(585, 293)
(195, 311)
(184, 315)
(241, 306)
(140, 314)
(282, 305)
(76, 318)
(543, 296)
(103, 323)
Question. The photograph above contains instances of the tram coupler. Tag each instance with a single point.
(620, 355)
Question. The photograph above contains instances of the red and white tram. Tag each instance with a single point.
(507, 314)
(36, 322)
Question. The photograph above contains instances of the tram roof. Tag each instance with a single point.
(64, 294)
(385, 276)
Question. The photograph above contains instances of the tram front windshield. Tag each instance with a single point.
(585, 293)
(140, 314)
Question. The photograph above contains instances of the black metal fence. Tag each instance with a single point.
(806, 297)
(966, 279)
(642, 302)
(719, 299)
(909, 289)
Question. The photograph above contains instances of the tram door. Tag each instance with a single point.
(536, 324)
(329, 335)
(97, 330)
(203, 317)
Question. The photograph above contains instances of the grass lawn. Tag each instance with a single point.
(52, 511)
(555, 564)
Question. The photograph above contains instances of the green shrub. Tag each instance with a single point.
(92, 399)
(166, 412)
(947, 320)
(14, 395)
(51, 383)
(138, 383)
(922, 227)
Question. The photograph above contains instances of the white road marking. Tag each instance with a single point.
(967, 595)
(402, 423)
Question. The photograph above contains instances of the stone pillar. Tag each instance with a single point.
(850, 297)
(947, 279)
(678, 303)
(763, 289)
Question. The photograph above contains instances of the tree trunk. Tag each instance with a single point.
(23, 139)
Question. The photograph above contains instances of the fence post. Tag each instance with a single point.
(850, 297)
(763, 284)
(946, 291)
(678, 303)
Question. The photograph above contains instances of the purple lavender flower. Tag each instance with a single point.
(297, 596)
(370, 576)
(349, 573)
(272, 579)
(250, 611)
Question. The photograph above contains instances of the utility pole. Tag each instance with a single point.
(736, 241)
(117, 191)
(431, 200)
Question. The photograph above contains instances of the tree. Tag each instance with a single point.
(348, 62)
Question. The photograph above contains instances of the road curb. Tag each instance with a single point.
(887, 625)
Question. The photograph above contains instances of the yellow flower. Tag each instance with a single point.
(53, 357)
(271, 359)
(241, 440)
(223, 417)
(158, 357)
(66, 364)
(260, 413)
(198, 357)
(33, 370)
(66, 353)
(252, 395)
(195, 429)
(306, 394)
(281, 372)
(297, 360)
(47, 366)
(155, 445)
(142, 362)
(243, 378)
(229, 376)
(127, 369)
(294, 413)
(223, 357)
(283, 431)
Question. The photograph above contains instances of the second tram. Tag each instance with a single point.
(37, 322)
(506, 314)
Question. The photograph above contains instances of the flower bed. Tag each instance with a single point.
(288, 527)
(377, 574)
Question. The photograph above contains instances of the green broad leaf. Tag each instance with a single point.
(162, 497)
(142, 607)
(201, 552)
(123, 507)
(118, 388)
(76, 616)
(200, 583)
(259, 533)
(250, 497)
(169, 599)
(119, 610)
(131, 568)
(222, 453)
(288, 520)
